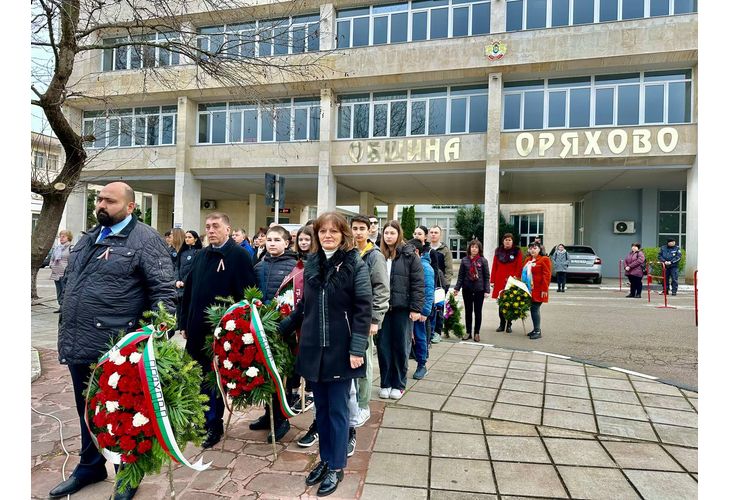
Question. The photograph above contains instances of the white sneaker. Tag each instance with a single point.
(363, 415)
(396, 393)
(384, 393)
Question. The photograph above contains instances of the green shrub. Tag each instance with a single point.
(652, 255)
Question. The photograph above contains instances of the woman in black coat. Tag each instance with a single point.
(407, 290)
(185, 263)
(474, 278)
(334, 315)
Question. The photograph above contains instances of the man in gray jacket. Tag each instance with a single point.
(116, 271)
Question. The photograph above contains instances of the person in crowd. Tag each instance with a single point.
(538, 240)
(374, 234)
(536, 275)
(240, 237)
(507, 262)
(189, 249)
(334, 315)
(168, 238)
(220, 270)
(420, 332)
(474, 279)
(406, 302)
(560, 261)
(444, 262)
(117, 271)
(634, 268)
(670, 254)
(59, 261)
(260, 242)
(177, 240)
(305, 235)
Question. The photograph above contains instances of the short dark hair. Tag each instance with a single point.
(417, 244)
(423, 228)
(671, 239)
(168, 233)
(281, 230)
(364, 219)
(533, 244)
(637, 245)
(478, 244)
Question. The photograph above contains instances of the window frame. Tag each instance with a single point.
(159, 37)
(108, 117)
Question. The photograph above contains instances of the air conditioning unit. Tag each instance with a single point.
(208, 204)
(624, 227)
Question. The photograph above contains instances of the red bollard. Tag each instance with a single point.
(695, 280)
(664, 286)
(620, 272)
(648, 281)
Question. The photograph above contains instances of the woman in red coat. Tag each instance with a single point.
(536, 275)
(507, 262)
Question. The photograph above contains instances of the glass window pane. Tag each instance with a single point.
(121, 60)
(168, 130)
(461, 21)
(235, 126)
(139, 131)
(113, 135)
(669, 223)
(299, 39)
(283, 124)
(99, 132)
(478, 113)
(436, 116)
(680, 104)
(654, 104)
(250, 125)
(684, 201)
(604, 106)
(300, 124)
(343, 34)
(624, 78)
(281, 40)
(663, 76)
(458, 115)
(313, 37)
(343, 122)
(632, 9)
(582, 11)
(560, 12)
(135, 57)
(556, 109)
(219, 127)
(265, 42)
(418, 118)
(536, 13)
(669, 201)
(580, 107)
(609, 10)
(361, 32)
(514, 15)
(398, 115)
(267, 124)
(533, 224)
(512, 111)
(533, 110)
(685, 6)
(380, 30)
(418, 30)
(108, 57)
(399, 27)
(125, 134)
(659, 8)
(628, 105)
(480, 18)
(439, 23)
(380, 120)
(314, 123)
(361, 121)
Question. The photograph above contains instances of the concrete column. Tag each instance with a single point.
(75, 212)
(691, 246)
(367, 203)
(498, 17)
(304, 215)
(257, 211)
(491, 180)
(326, 182)
(187, 188)
(392, 211)
(155, 216)
(327, 31)
(162, 207)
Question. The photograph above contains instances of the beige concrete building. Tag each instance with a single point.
(583, 102)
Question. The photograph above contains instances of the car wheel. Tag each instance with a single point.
(597, 281)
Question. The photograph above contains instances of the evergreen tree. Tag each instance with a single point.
(470, 223)
(408, 222)
(506, 227)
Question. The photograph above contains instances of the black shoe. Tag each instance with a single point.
(531, 332)
(127, 494)
(261, 423)
(500, 328)
(351, 443)
(317, 474)
(637, 296)
(311, 437)
(296, 402)
(74, 484)
(214, 436)
(535, 335)
(280, 430)
(468, 337)
(330, 482)
(509, 328)
(674, 293)
(629, 296)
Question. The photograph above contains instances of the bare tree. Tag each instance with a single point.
(151, 36)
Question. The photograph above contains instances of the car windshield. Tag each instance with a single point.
(580, 249)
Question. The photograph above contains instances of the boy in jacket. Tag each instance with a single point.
(420, 333)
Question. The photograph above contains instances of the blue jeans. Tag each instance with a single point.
(420, 344)
(333, 416)
(672, 277)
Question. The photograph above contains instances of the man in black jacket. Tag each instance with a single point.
(116, 271)
(221, 269)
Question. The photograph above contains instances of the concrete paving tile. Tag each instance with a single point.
(278, 484)
(422, 400)
(378, 492)
(620, 410)
(466, 406)
(261, 449)
(491, 361)
(622, 427)
(497, 353)
(491, 371)
(402, 441)
(610, 383)
(366, 438)
(689, 394)
(398, 470)
(648, 456)
(445, 422)
(514, 413)
(502, 428)
(517, 449)
(569, 420)
(522, 385)
(568, 404)
(201, 495)
(475, 392)
(441, 376)
(662, 485)
(687, 457)
(564, 433)
(614, 396)
(554, 360)
(460, 495)
(210, 479)
(291, 461)
(433, 387)
(528, 479)
(459, 358)
(673, 417)
(530, 357)
(451, 445)
(527, 365)
(668, 402)
(519, 398)
(594, 483)
(525, 375)
(572, 391)
(406, 418)
(482, 381)
(670, 434)
(462, 475)
(693, 402)
(596, 371)
(571, 369)
(583, 452)
(450, 367)
(657, 388)
(566, 379)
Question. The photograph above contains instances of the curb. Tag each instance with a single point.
(35, 364)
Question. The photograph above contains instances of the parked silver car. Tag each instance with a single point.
(584, 263)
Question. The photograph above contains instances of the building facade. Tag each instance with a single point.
(512, 102)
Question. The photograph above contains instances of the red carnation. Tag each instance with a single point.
(99, 419)
(105, 440)
(249, 354)
(127, 350)
(127, 401)
(260, 357)
(147, 430)
(144, 446)
(285, 310)
(127, 443)
(129, 459)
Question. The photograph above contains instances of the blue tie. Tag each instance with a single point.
(106, 231)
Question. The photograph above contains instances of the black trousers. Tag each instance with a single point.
(394, 346)
(92, 462)
(473, 302)
(636, 285)
(535, 315)
(333, 417)
(562, 278)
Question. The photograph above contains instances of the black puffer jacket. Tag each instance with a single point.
(184, 265)
(271, 271)
(334, 316)
(109, 285)
(406, 280)
(481, 283)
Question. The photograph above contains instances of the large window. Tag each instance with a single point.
(530, 226)
(43, 161)
(292, 35)
(148, 126)
(280, 121)
(411, 21)
(446, 110)
(535, 14)
(672, 217)
(138, 56)
(658, 97)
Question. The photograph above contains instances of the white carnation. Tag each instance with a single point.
(247, 338)
(135, 357)
(139, 420)
(217, 332)
(231, 385)
(116, 357)
(230, 325)
(112, 406)
(252, 371)
(227, 345)
(114, 380)
(227, 364)
(109, 428)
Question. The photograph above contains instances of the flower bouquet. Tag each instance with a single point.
(514, 301)
(143, 403)
(452, 318)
